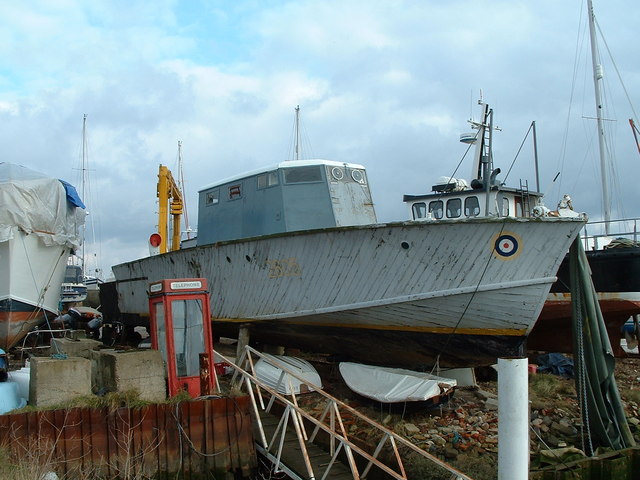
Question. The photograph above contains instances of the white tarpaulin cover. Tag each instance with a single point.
(391, 385)
(269, 370)
(38, 204)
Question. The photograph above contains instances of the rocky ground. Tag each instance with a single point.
(464, 431)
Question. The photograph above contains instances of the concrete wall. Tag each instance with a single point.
(54, 381)
(119, 371)
(74, 348)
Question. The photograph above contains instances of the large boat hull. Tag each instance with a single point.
(463, 291)
(30, 277)
(615, 273)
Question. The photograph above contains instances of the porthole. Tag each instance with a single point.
(357, 176)
(337, 173)
(405, 245)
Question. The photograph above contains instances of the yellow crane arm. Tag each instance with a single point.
(170, 199)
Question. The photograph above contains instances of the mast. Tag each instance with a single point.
(480, 158)
(83, 186)
(297, 140)
(181, 187)
(597, 77)
(635, 131)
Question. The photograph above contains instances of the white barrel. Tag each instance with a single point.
(21, 378)
(9, 399)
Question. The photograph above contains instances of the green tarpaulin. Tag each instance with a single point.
(602, 410)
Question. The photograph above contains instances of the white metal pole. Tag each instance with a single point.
(513, 419)
(597, 78)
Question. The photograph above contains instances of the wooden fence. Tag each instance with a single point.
(209, 438)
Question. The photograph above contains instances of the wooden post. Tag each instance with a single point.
(205, 374)
(243, 340)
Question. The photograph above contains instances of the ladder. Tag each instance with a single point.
(526, 198)
(285, 433)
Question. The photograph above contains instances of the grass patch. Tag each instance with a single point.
(631, 395)
(112, 401)
(546, 384)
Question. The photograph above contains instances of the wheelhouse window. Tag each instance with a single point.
(268, 179)
(235, 191)
(419, 210)
(311, 173)
(212, 197)
(471, 207)
(454, 208)
(436, 208)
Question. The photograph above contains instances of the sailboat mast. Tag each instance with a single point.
(84, 182)
(297, 132)
(597, 77)
(181, 186)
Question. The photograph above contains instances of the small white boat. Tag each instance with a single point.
(394, 385)
(270, 371)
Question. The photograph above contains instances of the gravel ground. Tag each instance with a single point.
(464, 431)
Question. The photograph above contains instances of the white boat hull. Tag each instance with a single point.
(393, 385)
(426, 282)
(30, 277)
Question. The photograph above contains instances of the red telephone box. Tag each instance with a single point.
(181, 330)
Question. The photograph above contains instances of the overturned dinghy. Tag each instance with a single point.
(394, 385)
(271, 370)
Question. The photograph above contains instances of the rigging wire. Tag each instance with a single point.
(613, 62)
(564, 143)
(468, 304)
(182, 187)
(300, 145)
(83, 179)
(45, 286)
(513, 162)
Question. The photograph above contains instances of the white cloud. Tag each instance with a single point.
(388, 84)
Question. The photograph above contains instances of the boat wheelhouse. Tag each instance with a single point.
(286, 197)
(484, 196)
(456, 200)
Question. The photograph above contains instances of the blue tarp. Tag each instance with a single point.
(72, 194)
(555, 363)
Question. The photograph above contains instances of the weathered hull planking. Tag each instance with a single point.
(466, 291)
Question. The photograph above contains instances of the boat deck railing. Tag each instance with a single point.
(24, 347)
(594, 233)
(383, 448)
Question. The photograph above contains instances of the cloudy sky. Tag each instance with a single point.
(385, 83)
